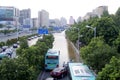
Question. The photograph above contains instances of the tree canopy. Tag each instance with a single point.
(111, 71)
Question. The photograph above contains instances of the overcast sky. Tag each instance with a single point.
(62, 8)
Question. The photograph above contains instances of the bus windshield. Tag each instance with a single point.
(51, 57)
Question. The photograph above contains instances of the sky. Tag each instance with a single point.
(62, 8)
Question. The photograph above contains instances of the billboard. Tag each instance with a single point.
(42, 31)
(6, 14)
(26, 26)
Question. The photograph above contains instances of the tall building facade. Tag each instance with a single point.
(9, 16)
(71, 20)
(35, 22)
(25, 14)
(43, 18)
(63, 21)
(100, 10)
(96, 12)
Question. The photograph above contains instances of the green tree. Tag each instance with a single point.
(23, 70)
(105, 27)
(111, 71)
(48, 39)
(1, 25)
(117, 18)
(97, 53)
(117, 43)
(8, 69)
(24, 44)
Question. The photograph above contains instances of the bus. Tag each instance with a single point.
(52, 59)
(79, 71)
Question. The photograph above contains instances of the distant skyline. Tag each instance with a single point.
(62, 8)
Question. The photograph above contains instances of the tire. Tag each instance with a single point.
(62, 76)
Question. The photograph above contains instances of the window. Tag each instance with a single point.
(52, 57)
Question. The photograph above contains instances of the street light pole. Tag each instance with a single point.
(78, 34)
(93, 29)
(94, 32)
(78, 39)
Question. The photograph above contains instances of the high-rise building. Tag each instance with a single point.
(79, 19)
(89, 15)
(35, 22)
(71, 20)
(24, 14)
(100, 10)
(9, 16)
(43, 18)
(96, 12)
(63, 21)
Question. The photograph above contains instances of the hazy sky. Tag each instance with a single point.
(62, 8)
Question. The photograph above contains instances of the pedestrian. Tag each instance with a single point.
(64, 64)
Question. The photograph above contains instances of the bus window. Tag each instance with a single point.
(51, 57)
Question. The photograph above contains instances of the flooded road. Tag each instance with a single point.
(60, 43)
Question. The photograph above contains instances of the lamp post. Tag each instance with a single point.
(93, 29)
(78, 37)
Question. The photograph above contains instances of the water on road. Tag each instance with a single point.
(60, 43)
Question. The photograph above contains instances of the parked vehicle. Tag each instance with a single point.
(2, 55)
(15, 45)
(29, 39)
(9, 52)
(59, 72)
(4, 48)
(49, 79)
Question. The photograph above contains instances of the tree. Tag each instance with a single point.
(105, 14)
(117, 18)
(105, 27)
(8, 69)
(111, 71)
(117, 43)
(24, 44)
(1, 25)
(48, 39)
(97, 53)
(23, 70)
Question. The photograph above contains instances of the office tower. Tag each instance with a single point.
(24, 14)
(63, 21)
(9, 16)
(43, 18)
(35, 22)
(100, 10)
(71, 20)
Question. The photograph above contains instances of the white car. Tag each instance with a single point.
(4, 48)
(50, 79)
(15, 45)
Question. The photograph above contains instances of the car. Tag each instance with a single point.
(49, 78)
(1, 50)
(29, 39)
(35, 36)
(9, 52)
(4, 48)
(15, 45)
(59, 72)
(39, 35)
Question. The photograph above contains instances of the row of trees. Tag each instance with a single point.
(98, 52)
(30, 60)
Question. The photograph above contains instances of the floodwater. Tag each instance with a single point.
(60, 43)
